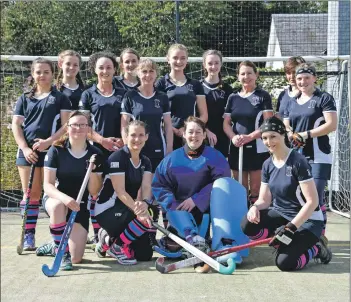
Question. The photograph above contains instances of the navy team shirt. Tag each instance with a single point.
(151, 111)
(216, 100)
(309, 116)
(118, 82)
(178, 177)
(70, 170)
(73, 95)
(106, 110)
(283, 99)
(247, 113)
(120, 163)
(284, 184)
(41, 116)
(182, 98)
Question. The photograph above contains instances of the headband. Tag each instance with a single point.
(306, 70)
(272, 126)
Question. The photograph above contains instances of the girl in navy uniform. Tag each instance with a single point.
(128, 62)
(292, 90)
(295, 215)
(65, 168)
(103, 101)
(152, 107)
(34, 129)
(186, 95)
(124, 220)
(243, 115)
(217, 94)
(309, 118)
(69, 80)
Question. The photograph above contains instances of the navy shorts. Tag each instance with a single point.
(82, 216)
(21, 160)
(321, 171)
(252, 161)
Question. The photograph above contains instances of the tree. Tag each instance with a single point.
(149, 26)
(47, 27)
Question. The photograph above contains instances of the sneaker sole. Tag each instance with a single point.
(66, 268)
(120, 261)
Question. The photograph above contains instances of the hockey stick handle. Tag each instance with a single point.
(85, 182)
(240, 164)
(199, 254)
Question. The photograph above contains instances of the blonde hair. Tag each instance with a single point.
(177, 46)
(147, 63)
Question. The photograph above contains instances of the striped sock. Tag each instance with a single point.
(134, 230)
(262, 234)
(306, 257)
(324, 211)
(32, 215)
(96, 225)
(56, 231)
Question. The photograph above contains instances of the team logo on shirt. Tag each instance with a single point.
(289, 171)
(80, 104)
(309, 173)
(46, 158)
(221, 94)
(312, 104)
(190, 87)
(142, 170)
(51, 100)
(255, 100)
(157, 103)
(114, 164)
(119, 98)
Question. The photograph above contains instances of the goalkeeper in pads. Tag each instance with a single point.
(287, 206)
(187, 184)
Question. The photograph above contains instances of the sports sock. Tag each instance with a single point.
(56, 231)
(32, 215)
(307, 256)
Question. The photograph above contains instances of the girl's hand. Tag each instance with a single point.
(110, 143)
(186, 205)
(212, 138)
(30, 155)
(72, 204)
(140, 208)
(236, 140)
(41, 144)
(253, 215)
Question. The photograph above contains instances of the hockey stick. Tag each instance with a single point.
(49, 272)
(25, 212)
(164, 269)
(240, 166)
(200, 256)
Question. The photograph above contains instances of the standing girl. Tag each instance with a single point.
(185, 94)
(128, 62)
(33, 127)
(66, 164)
(309, 119)
(244, 113)
(292, 90)
(217, 94)
(69, 80)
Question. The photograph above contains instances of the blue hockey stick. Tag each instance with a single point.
(50, 272)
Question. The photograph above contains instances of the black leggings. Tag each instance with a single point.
(115, 220)
(290, 257)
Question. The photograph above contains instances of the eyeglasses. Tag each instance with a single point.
(77, 126)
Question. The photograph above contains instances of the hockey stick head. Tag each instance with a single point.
(19, 249)
(47, 271)
(159, 265)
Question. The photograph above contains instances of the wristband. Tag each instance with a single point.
(148, 201)
(309, 134)
(291, 226)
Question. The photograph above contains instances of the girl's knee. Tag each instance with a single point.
(285, 263)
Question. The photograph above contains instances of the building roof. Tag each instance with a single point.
(301, 34)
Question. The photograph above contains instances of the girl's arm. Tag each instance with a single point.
(202, 107)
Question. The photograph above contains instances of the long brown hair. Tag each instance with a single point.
(62, 140)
